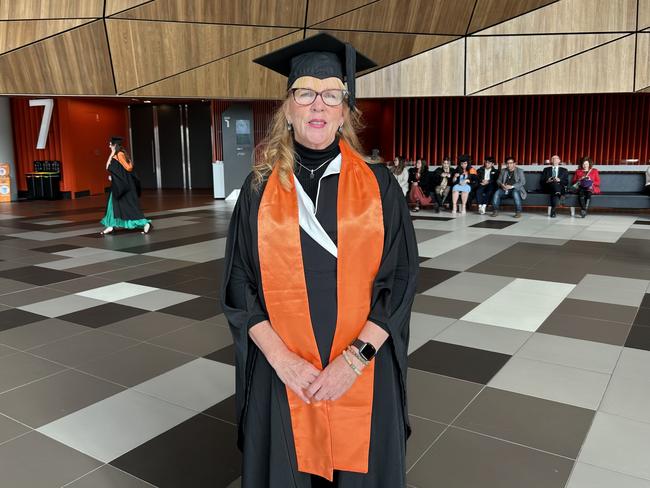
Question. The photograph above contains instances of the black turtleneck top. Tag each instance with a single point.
(312, 159)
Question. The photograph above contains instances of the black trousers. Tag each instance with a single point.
(555, 191)
(441, 198)
(484, 194)
(584, 196)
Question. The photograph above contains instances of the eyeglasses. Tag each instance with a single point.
(307, 96)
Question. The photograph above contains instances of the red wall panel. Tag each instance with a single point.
(26, 124)
(78, 137)
(607, 127)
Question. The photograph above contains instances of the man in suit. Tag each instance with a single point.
(555, 179)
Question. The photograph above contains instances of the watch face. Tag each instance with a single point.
(368, 351)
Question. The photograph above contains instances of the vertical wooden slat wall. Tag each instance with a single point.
(607, 127)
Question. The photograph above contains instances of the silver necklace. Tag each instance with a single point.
(311, 176)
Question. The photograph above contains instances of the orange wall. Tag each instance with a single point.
(78, 137)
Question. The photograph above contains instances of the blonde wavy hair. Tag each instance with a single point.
(277, 149)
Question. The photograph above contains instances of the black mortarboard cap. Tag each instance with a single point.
(116, 140)
(321, 56)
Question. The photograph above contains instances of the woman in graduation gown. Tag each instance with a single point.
(123, 208)
(320, 272)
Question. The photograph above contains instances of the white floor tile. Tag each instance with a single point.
(115, 426)
(486, 337)
(618, 444)
(62, 305)
(575, 353)
(588, 476)
(157, 299)
(553, 382)
(116, 292)
(425, 327)
(196, 385)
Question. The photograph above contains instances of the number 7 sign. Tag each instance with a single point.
(48, 103)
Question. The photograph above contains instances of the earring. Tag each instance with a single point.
(289, 126)
(340, 131)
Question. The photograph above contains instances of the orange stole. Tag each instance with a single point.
(328, 435)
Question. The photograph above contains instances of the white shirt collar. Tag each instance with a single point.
(307, 212)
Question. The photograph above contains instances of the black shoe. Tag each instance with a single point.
(438, 209)
(553, 214)
(583, 213)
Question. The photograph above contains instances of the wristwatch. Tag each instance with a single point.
(366, 350)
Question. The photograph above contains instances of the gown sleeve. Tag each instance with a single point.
(395, 283)
(394, 286)
(120, 183)
(240, 299)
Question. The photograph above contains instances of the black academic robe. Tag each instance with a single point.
(265, 433)
(125, 190)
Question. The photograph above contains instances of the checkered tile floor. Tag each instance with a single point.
(529, 352)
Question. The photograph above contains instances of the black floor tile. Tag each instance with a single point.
(200, 286)
(460, 362)
(645, 303)
(225, 355)
(198, 309)
(443, 307)
(199, 453)
(597, 310)
(442, 219)
(642, 317)
(493, 224)
(639, 338)
(430, 277)
(224, 410)
(56, 248)
(37, 275)
(166, 280)
(159, 246)
(101, 315)
(15, 318)
(515, 417)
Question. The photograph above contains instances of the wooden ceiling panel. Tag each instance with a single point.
(414, 16)
(606, 69)
(177, 47)
(232, 77)
(644, 14)
(643, 61)
(325, 10)
(52, 9)
(492, 60)
(386, 49)
(17, 33)
(439, 72)
(573, 16)
(281, 13)
(491, 12)
(76, 62)
(115, 6)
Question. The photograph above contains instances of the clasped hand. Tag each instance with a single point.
(309, 383)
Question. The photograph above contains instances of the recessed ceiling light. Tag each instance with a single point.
(146, 101)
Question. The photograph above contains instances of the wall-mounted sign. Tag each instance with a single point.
(48, 104)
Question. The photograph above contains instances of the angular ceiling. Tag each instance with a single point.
(204, 48)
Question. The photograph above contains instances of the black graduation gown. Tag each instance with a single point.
(265, 433)
(124, 189)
